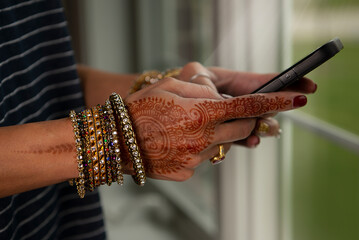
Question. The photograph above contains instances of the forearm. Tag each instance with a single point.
(36, 155)
(98, 85)
(41, 154)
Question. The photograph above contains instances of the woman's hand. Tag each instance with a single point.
(179, 124)
(233, 83)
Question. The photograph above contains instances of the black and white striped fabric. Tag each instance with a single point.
(38, 81)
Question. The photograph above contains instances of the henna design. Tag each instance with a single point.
(57, 149)
(251, 106)
(169, 135)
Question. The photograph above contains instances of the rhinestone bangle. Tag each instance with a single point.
(100, 141)
(114, 145)
(93, 148)
(129, 138)
(94, 133)
(80, 181)
(86, 151)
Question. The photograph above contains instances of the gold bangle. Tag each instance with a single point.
(87, 114)
(145, 79)
(86, 151)
(129, 138)
(175, 72)
(99, 143)
(151, 77)
(94, 149)
(80, 181)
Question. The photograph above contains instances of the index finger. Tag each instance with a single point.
(253, 105)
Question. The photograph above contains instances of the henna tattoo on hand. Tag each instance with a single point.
(251, 106)
(170, 135)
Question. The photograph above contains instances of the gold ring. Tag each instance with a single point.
(220, 156)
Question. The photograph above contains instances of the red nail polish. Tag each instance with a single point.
(299, 101)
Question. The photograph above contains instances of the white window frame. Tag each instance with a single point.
(250, 187)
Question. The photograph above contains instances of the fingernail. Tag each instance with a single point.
(315, 88)
(255, 143)
(299, 101)
(216, 162)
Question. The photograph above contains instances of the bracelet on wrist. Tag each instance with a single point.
(98, 134)
(129, 138)
(151, 77)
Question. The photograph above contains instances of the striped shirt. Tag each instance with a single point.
(38, 81)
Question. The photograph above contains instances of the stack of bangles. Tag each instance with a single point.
(104, 135)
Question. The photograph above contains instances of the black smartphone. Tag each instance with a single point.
(301, 68)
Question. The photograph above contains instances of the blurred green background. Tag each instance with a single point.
(325, 176)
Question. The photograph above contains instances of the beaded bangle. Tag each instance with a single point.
(114, 147)
(129, 138)
(80, 182)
